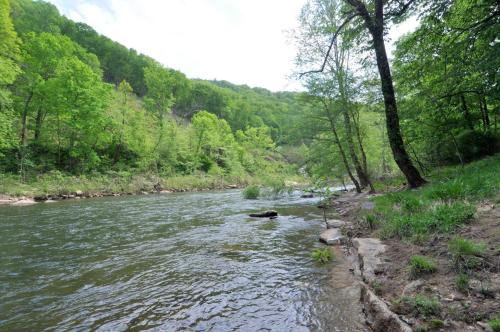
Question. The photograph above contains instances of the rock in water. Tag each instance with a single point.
(265, 214)
(332, 236)
(307, 196)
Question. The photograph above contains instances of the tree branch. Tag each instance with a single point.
(334, 37)
(402, 10)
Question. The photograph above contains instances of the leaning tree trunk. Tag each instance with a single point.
(391, 112)
(343, 155)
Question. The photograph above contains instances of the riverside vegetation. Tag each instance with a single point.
(79, 111)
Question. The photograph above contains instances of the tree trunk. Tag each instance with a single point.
(38, 125)
(484, 112)
(343, 155)
(24, 120)
(467, 117)
(391, 112)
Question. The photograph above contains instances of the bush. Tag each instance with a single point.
(322, 255)
(477, 144)
(471, 144)
(465, 253)
(420, 265)
(251, 192)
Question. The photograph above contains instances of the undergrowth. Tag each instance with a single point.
(441, 206)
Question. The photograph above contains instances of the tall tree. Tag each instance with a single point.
(9, 69)
(375, 16)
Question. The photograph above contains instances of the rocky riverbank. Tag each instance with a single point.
(387, 289)
(51, 198)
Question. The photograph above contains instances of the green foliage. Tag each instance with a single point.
(439, 207)
(465, 253)
(418, 305)
(421, 265)
(495, 324)
(323, 255)
(436, 324)
(462, 282)
(251, 192)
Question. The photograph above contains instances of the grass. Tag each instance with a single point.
(465, 253)
(495, 324)
(421, 265)
(462, 283)
(323, 255)
(251, 192)
(418, 305)
(442, 206)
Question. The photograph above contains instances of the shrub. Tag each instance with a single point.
(462, 283)
(420, 265)
(322, 255)
(476, 144)
(418, 305)
(465, 253)
(251, 192)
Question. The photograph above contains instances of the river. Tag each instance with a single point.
(172, 262)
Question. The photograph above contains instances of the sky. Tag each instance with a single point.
(240, 41)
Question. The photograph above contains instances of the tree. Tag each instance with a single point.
(375, 17)
(9, 69)
(79, 98)
(317, 20)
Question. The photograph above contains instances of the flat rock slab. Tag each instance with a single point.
(378, 314)
(26, 201)
(369, 251)
(334, 223)
(332, 236)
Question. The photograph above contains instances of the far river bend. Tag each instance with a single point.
(173, 262)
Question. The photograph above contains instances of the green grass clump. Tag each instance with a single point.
(495, 324)
(465, 253)
(322, 255)
(420, 265)
(462, 283)
(443, 205)
(251, 192)
(436, 324)
(418, 305)
(439, 218)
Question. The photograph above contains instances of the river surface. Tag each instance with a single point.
(173, 262)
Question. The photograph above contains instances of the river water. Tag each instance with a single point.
(174, 262)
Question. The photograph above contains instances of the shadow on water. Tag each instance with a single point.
(192, 261)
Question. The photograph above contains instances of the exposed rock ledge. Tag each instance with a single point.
(367, 263)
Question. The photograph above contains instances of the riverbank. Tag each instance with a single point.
(57, 186)
(437, 260)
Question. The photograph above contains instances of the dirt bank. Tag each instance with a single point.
(452, 309)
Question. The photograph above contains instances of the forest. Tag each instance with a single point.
(76, 104)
